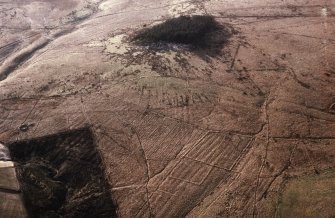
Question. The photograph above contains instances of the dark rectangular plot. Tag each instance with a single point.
(62, 175)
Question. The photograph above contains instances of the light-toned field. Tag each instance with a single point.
(250, 133)
(308, 196)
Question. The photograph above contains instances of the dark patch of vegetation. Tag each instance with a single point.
(197, 32)
(62, 176)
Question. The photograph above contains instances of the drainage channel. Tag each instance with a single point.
(60, 175)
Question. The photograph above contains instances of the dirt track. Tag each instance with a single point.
(180, 134)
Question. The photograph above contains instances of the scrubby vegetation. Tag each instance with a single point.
(195, 31)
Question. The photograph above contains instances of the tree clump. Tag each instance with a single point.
(198, 31)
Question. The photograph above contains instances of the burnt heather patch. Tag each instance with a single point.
(196, 32)
(63, 176)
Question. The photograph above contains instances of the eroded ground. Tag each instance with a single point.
(243, 134)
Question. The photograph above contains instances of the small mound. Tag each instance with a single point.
(195, 31)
